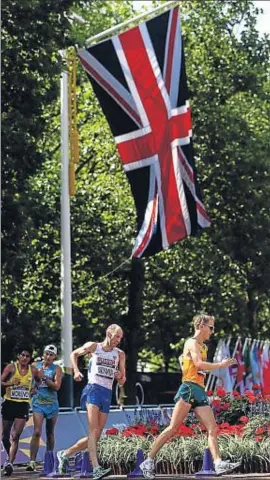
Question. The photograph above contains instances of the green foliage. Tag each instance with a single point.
(183, 454)
(32, 34)
(223, 270)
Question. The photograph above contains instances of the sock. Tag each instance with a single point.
(96, 468)
(217, 462)
(150, 460)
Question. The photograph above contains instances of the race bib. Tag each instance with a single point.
(19, 393)
(107, 372)
(106, 367)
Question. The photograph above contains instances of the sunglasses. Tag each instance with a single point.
(212, 328)
(49, 353)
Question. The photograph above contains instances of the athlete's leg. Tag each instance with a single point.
(180, 412)
(93, 432)
(80, 445)
(6, 428)
(63, 455)
(17, 429)
(50, 425)
(102, 418)
(206, 417)
(34, 444)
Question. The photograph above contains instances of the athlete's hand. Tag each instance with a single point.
(228, 362)
(78, 376)
(40, 373)
(16, 381)
(118, 375)
(33, 391)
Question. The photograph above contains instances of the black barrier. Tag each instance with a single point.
(66, 392)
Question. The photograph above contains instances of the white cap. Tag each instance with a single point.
(51, 349)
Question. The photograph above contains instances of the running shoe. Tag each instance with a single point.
(225, 466)
(100, 472)
(63, 461)
(31, 467)
(8, 469)
(148, 468)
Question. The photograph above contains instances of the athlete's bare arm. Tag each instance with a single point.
(37, 374)
(194, 349)
(86, 349)
(180, 358)
(54, 384)
(7, 373)
(120, 375)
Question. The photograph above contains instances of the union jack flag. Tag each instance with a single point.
(139, 78)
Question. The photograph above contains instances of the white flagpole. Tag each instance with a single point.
(127, 22)
(66, 309)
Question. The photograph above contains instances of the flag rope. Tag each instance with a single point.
(112, 271)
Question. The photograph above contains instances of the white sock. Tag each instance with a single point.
(217, 462)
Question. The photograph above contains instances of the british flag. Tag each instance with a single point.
(139, 78)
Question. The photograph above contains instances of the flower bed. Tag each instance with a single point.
(242, 435)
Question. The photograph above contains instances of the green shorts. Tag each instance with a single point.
(193, 394)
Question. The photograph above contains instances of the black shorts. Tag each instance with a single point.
(11, 410)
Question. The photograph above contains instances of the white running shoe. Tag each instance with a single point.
(62, 461)
(225, 466)
(148, 468)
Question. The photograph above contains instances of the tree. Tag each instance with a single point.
(222, 271)
(32, 34)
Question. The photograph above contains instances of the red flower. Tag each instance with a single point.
(209, 393)
(259, 430)
(224, 425)
(226, 406)
(153, 430)
(216, 402)
(126, 433)
(202, 427)
(221, 392)
(243, 419)
(112, 431)
(185, 431)
(258, 438)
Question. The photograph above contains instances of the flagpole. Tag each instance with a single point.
(127, 22)
(66, 309)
